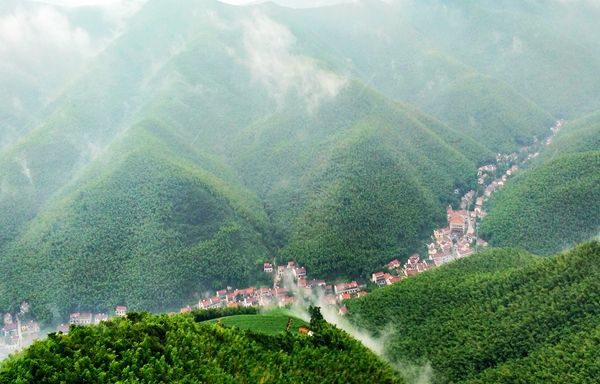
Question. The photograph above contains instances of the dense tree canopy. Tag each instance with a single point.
(163, 349)
(498, 316)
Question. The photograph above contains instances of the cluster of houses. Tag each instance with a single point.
(15, 332)
(290, 285)
(88, 318)
(399, 271)
(456, 240)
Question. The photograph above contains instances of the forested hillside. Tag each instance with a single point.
(205, 139)
(498, 316)
(554, 204)
(579, 135)
(146, 348)
(317, 173)
(147, 228)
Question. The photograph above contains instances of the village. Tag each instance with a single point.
(458, 239)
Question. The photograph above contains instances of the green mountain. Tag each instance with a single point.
(581, 135)
(208, 138)
(490, 112)
(317, 173)
(145, 348)
(147, 227)
(396, 49)
(552, 205)
(498, 316)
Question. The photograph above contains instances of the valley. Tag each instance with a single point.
(299, 191)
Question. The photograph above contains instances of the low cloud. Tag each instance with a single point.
(26, 32)
(268, 54)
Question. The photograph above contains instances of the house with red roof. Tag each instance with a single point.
(267, 267)
(100, 317)
(393, 279)
(299, 272)
(394, 264)
(74, 318)
(121, 311)
(341, 288)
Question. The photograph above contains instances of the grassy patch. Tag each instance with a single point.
(270, 323)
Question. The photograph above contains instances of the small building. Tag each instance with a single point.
(85, 318)
(74, 318)
(250, 301)
(392, 279)
(344, 296)
(30, 328)
(394, 264)
(305, 331)
(300, 272)
(457, 224)
(341, 288)
(100, 317)
(267, 267)
(378, 278)
(121, 311)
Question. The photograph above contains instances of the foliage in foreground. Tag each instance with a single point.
(153, 349)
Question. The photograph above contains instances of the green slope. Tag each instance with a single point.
(396, 49)
(273, 322)
(145, 348)
(549, 207)
(316, 173)
(490, 112)
(579, 135)
(145, 227)
(546, 51)
(499, 316)
(554, 204)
